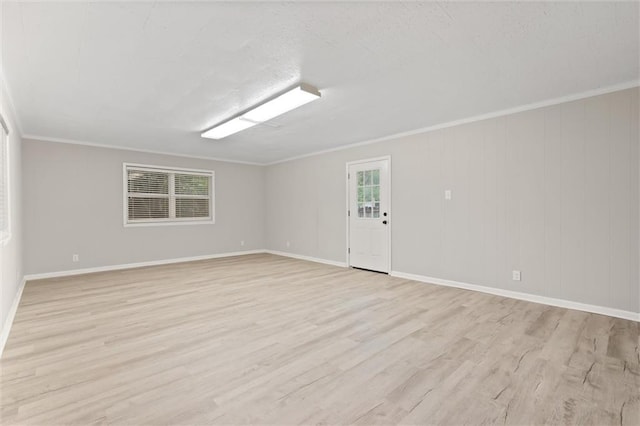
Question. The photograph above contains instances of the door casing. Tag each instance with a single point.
(347, 205)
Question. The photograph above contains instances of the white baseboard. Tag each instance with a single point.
(67, 273)
(8, 322)
(309, 258)
(603, 310)
(71, 272)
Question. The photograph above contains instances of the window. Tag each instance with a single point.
(369, 193)
(5, 229)
(156, 195)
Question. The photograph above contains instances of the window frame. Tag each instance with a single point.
(169, 221)
(5, 234)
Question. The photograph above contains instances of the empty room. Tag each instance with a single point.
(319, 213)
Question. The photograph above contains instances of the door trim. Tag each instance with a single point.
(346, 179)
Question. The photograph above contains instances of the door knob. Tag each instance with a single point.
(384, 222)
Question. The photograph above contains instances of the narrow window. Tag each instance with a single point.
(5, 229)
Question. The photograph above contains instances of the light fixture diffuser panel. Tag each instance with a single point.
(292, 99)
(228, 128)
(286, 102)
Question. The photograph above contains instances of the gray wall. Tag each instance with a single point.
(553, 192)
(73, 204)
(11, 251)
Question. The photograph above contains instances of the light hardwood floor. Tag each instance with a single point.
(269, 340)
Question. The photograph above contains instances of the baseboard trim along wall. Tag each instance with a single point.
(6, 327)
(551, 301)
(56, 274)
(561, 303)
(618, 313)
(67, 273)
(309, 258)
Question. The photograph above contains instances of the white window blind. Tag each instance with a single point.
(4, 182)
(160, 195)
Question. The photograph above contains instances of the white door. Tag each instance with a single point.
(369, 214)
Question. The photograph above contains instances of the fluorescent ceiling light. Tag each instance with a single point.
(292, 99)
(228, 128)
(286, 102)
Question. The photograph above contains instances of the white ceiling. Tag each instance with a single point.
(154, 75)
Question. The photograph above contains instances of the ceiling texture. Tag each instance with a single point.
(154, 75)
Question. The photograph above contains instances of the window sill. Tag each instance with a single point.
(168, 223)
(4, 239)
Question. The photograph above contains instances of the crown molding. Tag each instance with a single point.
(480, 117)
(500, 113)
(125, 148)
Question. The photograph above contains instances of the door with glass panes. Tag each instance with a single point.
(369, 215)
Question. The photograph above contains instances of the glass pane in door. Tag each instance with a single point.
(368, 185)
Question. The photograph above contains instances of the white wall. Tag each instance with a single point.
(73, 204)
(11, 252)
(553, 192)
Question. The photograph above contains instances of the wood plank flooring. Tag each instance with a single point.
(264, 339)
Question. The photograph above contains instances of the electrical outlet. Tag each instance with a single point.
(242, 242)
(75, 258)
(447, 194)
(516, 275)
(288, 243)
